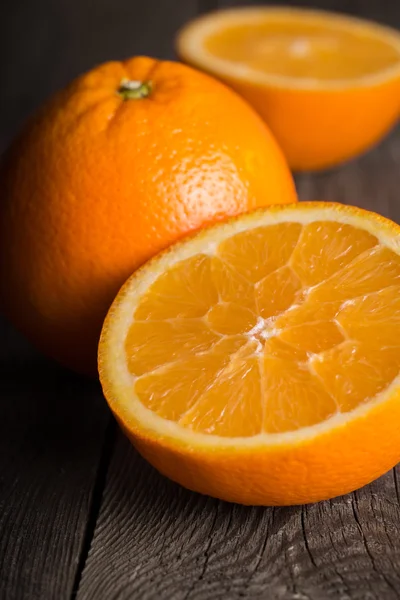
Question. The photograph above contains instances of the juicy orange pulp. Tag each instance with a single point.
(274, 329)
(301, 49)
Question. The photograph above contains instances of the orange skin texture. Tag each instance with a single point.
(95, 185)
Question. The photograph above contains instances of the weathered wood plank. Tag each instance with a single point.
(52, 424)
(156, 540)
(51, 435)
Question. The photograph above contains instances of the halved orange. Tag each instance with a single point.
(328, 85)
(259, 361)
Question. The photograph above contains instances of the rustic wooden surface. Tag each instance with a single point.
(81, 514)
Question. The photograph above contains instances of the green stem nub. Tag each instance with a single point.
(133, 90)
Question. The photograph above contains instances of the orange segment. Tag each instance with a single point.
(382, 324)
(171, 391)
(230, 318)
(355, 279)
(313, 337)
(183, 291)
(308, 311)
(326, 248)
(277, 348)
(294, 397)
(147, 340)
(355, 373)
(231, 286)
(277, 292)
(233, 405)
(229, 398)
(269, 249)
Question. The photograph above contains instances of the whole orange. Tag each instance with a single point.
(124, 161)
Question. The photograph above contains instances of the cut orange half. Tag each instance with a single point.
(328, 85)
(258, 362)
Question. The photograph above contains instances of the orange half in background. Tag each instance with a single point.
(328, 85)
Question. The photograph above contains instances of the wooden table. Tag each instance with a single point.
(81, 514)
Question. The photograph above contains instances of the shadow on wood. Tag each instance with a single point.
(51, 433)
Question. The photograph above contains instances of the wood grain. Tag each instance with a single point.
(51, 435)
(156, 540)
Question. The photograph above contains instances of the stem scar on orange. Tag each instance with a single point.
(114, 168)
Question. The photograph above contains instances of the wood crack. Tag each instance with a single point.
(396, 484)
(209, 544)
(206, 555)
(100, 482)
(307, 546)
(354, 504)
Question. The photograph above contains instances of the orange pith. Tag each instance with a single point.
(275, 326)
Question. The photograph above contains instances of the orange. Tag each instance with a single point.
(123, 162)
(259, 361)
(328, 85)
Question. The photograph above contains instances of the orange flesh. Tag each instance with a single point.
(299, 48)
(283, 327)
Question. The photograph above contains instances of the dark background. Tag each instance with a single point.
(81, 514)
